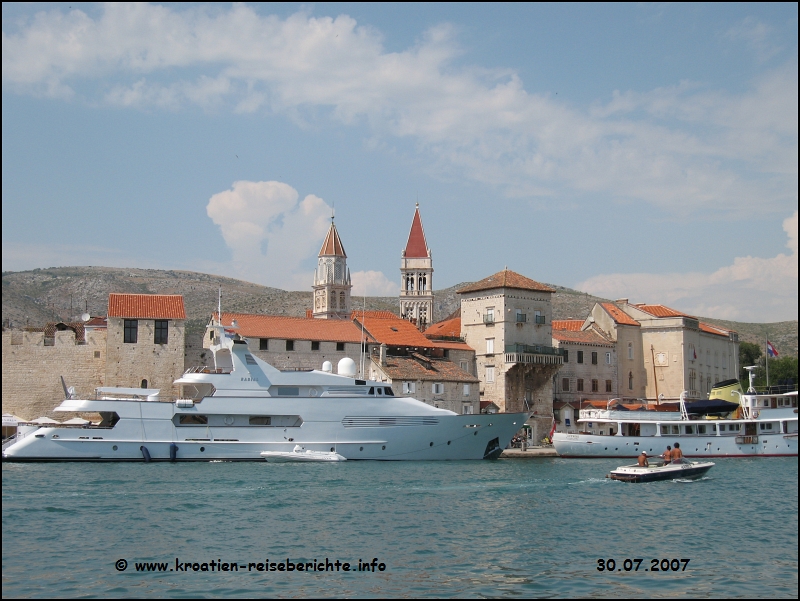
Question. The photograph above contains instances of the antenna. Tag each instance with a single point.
(361, 358)
(219, 307)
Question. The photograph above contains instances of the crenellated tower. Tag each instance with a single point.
(416, 277)
(332, 283)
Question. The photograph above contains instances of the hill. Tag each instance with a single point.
(32, 298)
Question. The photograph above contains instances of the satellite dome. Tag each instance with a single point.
(327, 366)
(347, 367)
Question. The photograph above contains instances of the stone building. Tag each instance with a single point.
(435, 381)
(145, 341)
(332, 283)
(507, 319)
(590, 363)
(416, 277)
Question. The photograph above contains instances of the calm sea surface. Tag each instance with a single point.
(508, 528)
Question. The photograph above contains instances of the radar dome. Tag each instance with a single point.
(327, 366)
(347, 367)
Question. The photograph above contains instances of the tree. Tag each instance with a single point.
(782, 372)
(749, 354)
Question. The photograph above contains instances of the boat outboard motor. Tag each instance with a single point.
(173, 452)
(145, 454)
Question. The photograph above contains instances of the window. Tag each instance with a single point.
(467, 410)
(290, 345)
(193, 420)
(464, 366)
(489, 317)
(341, 300)
(144, 384)
(131, 330)
(340, 346)
(608, 386)
(315, 345)
(580, 356)
(566, 356)
(630, 380)
(691, 353)
(260, 420)
(263, 344)
(162, 328)
(630, 352)
(490, 373)
(409, 387)
(538, 317)
(595, 387)
(438, 388)
(692, 380)
(490, 346)
(466, 389)
(608, 358)
(594, 358)
(564, 384)
(521, 317)
(580, 384)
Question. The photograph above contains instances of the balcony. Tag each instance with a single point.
(488, 319)
(526, 353)
(539, 320)
(522, 318)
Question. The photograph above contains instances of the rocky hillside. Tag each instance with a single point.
(62, 294)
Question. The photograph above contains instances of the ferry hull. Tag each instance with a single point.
(585, 445)
(455, 437)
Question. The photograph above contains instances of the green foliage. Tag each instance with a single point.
(749, 354)
(780, 370)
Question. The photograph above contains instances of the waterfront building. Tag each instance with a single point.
(590, 362)
(507, 319)
(416, 277)
(332, 283)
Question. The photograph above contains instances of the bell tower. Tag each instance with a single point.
(332, 279)
(416, 277)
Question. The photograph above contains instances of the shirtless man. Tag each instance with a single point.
(677, 454)
(643, 460)
(667, 456)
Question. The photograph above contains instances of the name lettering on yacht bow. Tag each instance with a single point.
(249, 379)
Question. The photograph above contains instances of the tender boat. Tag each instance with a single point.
(241, 406)
(755, 425)
(683, 469)
(300, 453)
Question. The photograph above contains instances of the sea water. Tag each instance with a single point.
(506, 528)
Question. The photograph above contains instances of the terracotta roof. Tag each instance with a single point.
(450, 327)
(332, 247)
(50, 329)
(418, 367)
(506, 279)
(294, 328)
(452, 345)
(416, 247)
(583, 337)
(390, 330)
(708, 328)
(146, 306)
(485, 404)
(661, 311)
(573, 325)
(97, 322)
(618, 315)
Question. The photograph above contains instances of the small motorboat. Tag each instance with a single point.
(682, 468)
(300, 453)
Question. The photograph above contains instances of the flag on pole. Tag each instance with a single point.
(771, 350)
(552, 430)
(694, 353)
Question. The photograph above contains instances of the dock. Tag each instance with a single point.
(529, 453)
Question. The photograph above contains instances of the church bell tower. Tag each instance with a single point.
(416, 277)
(332, 283)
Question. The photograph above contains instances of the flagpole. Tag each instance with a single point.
(766, 358)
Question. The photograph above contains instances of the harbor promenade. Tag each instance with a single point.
(529, 453)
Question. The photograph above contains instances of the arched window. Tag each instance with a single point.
(630, 354)
(630, 381)
(341, 300)
(333, 301)
(423, 283)
(144, 384)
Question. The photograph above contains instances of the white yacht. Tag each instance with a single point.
(729, 424)
(242, 407)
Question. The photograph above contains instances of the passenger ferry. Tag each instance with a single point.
(729, 424)
(242, 407)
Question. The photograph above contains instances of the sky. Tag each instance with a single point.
(641, 151)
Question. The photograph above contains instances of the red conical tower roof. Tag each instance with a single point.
(416, 248)
(332, 247)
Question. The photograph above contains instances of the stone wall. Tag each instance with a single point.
(31, 384)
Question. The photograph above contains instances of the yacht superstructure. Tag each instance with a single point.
(242, 406)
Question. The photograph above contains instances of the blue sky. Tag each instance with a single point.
(645, 151)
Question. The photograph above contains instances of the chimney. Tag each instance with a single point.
(621, 301)
(383, 355)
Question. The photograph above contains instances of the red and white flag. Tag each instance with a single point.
(552, 430)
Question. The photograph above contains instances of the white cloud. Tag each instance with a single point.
(757, 35)
(685, 149)
(752, 286)
(373, 283)
(269, 232)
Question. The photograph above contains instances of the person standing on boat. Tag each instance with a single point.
(643, 460)
(677, 454)
(667, 456)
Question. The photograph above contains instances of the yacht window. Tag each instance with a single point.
(193, 420)
(288, 391)
(766, 403)
(380, 391)
(689, 429)
(665, 429)
(388, 391)
(260, 420)
(675, 429)
(701, 429)
(371, 390)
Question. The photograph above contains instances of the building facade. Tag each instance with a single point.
(589, 370)
(416, 277)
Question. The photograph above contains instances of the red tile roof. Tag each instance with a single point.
(51, 328)
(573, 325)
(450, 327)
(146, 306)
(332, 247)
(419, 367)
(390, 330)
(708, 328)
(618, 315)
(416, 247)
(294, 328)
(581, 337)
(661, 311)
(506, 279)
